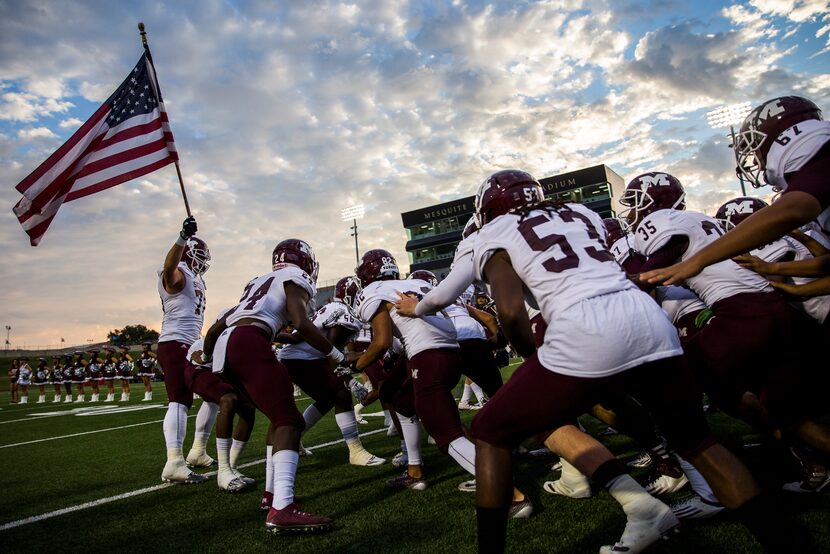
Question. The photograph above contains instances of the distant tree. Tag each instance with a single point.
(132, 334)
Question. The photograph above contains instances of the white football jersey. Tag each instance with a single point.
(416, 333)
(599, 322)
(365, 334)
(459, 279)
(333, 314)
(817, 233)
(717, 281)
(816, 307)
(264, 297)
(622, 249)
(466, 327)
(678, 301)
(184, 311)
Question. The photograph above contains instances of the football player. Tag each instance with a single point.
(182, 292)
(24, 379)
(240, 345)
(309, 369)
(617, 338)
(147, 369)
(783, 143)
(40, 378)
(125, 372)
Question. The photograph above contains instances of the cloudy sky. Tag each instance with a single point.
(283, 113)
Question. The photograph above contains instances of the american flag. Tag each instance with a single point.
(127, 137)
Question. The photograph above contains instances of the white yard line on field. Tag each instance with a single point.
(85, 433)
(138, 492)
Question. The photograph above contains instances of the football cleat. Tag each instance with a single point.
(401, 459)
(430, 440)
(358, 408)
(467, 486)
(248, 480)
(178, 472)
(814, 475)
(642, 460)
(362, 457)
(647, 523)
(465, 405)
(571, 488)
(406, 481)
(267, 500)
(696, 507)
(305, 451)
(230, 482)
(520, 509)
(195, 459)
(391, 431)
(658, 483)
(292, 519)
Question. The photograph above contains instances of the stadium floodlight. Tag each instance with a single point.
(354, 213)
(729, 116)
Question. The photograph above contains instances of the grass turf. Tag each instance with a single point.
(41, 477)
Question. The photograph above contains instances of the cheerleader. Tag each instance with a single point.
(56, 377)
(79, 376)
(13, 371)
(39, 378)
(109, 371)
(125, 371)
(24, 379)
(68, 377)
(93, 373)
(147, 369)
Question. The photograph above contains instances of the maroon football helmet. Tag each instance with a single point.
(377, 265)
(346, 290)
(613, 228)
(761, 127)
(738, 209)
(296, 252)
(506, 191)
(648, 193)
(424, 275)
(470, 228)
(196, 255)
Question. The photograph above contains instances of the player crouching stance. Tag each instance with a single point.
(617, 337)
(240, 344)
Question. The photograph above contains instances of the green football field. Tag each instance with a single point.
(85, 478)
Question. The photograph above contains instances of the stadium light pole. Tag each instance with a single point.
(729, 116)
(354, 213)
(8, 331)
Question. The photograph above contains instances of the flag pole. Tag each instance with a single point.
(143, 34)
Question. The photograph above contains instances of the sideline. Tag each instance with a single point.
(138, 492)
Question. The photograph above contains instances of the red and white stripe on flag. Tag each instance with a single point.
(127, 137)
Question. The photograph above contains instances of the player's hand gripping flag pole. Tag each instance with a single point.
(127, 137)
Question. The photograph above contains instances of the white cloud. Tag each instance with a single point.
(33, 133)
(71, 123)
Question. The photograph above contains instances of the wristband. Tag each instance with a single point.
(181, 241)
(335, 355)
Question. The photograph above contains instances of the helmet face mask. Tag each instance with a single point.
(377, 265)
(648, 193)
(736, 210)
(196, 255)
(762, 127)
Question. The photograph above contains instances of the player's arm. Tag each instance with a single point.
(811, 267)
(441, 296)
(506, 288)
(296, 299)
(171, 277)
(128, 357)
(664, 256)
(818, 287)
(773, 222)
(381, 337)
(815, 247)
(288, 338)
(489, 322)
(339, 336)
(212, 336)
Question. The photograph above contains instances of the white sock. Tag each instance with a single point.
(174, 427)
(387, 418)
(311, 415)
(205, 418)
(285, 469)
(464, 452)
(236, 451)
(368, 385)
(626, 491)
(411, 428)
(478, 392)
(697, 481)
(348, 425)
(269, 469)
(223, 455)
(467, 395)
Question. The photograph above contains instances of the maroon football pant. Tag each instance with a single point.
(479, 364)
(205, 383)
(434, 373)
(172, 356)
(536, 399)
(316, 380)
(250, 365)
